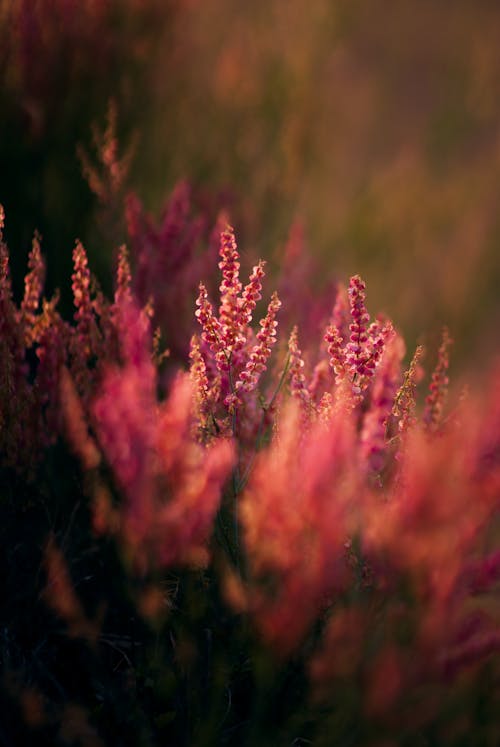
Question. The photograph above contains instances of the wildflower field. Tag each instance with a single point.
(236, 506)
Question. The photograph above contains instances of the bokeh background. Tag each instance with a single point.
(375, 125)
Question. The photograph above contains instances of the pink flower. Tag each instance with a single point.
(81, 289)
(298, 386)
(438, 389)
(405, 399)
(230, 288)
(336, 352)
(252, 293)
(356, 349)
(212, 332)
(385, 384)
(172, 484)
(199, 379)
(33, 285)
(262, 350)
(294, 515)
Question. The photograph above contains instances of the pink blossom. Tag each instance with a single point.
(172, 484)
(259, 356)
(356, 349)
(373, 438)
(336, 352)
(252, 293)
(434, 402)
(33, 286)
(298, 386)
(294, 513)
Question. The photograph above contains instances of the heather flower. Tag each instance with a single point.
(212, 331)
(123, 292)
(430, 521)
(123, 414)
(320, 380)
(405, 399)
(366, 343)
(172, 484)
(240, 356)
(33, 285)
(251, 295)
(356, 349)
(230, 288)
(378, 333)
(81, 292)
(434, 402)
(379, 574)
(336, 352)
(18, 413)
(298, 386)
(373, 437)
(9, 317)
(84, 339)
(294, 516)
(325, 408)
(259, 356)
(340, 313)
(108, 177)
(166, 255)
(199, 379)
(305, 301)
(194, 476)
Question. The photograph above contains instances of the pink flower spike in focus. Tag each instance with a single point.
(251, 295)
(356, 349)
(199, 380)
(298, 386)
(336, 352)
(212, 328)
(259, 356)
(230, 288)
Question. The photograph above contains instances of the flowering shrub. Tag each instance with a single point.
(267, 546)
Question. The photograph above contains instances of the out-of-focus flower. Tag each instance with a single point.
(294, 514)
(172, 484)
(438, 389)
(373, 437)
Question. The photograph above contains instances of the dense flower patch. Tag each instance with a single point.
(267, 540)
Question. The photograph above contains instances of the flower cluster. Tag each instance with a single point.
(173, 254)
(235, 356)
(172, 485)
(354, 530)
(293, 514)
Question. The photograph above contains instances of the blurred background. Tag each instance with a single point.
(376, 126)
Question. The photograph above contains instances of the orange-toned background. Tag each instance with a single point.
(375, 123)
